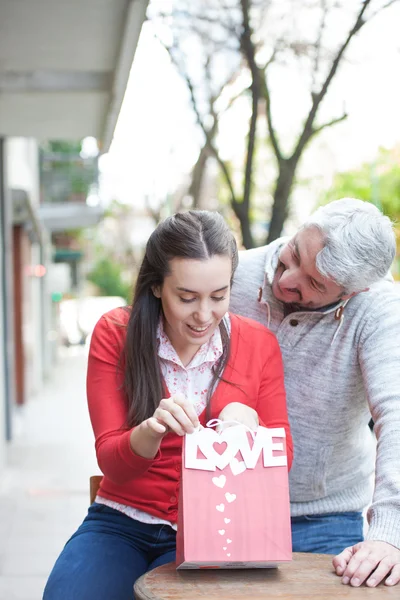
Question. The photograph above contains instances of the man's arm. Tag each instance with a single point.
(378, 557)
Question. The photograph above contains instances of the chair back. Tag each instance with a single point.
(95, 481)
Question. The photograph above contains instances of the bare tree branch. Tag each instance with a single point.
(271, 128)
(249, 50)
(222, 164)
(233, 99)
(267, 97)
(205, 36)
(209, 134)
(229, 81)
(317, 98)
(154, 214)
(318, 43)
(379, 10)
(203, 18)
(272, 57)
(264, 7)
(316, 130)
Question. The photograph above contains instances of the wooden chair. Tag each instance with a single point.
(95, 481)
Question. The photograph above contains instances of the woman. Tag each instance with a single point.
(174, 360)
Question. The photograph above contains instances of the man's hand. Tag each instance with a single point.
(370, 561)
(236, 411)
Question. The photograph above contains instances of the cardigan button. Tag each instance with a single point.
(172, 499)
(294, 322)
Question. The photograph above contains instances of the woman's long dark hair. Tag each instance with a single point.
(197, 235)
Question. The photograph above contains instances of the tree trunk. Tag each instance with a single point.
(284, 184)
(198, 172)
(244, 219)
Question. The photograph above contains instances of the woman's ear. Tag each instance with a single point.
(156, 291)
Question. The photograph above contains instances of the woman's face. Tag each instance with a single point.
(194, 297)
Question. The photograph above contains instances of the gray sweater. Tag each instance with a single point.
(338, 372)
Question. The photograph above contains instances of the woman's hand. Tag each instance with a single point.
(236, 411)
(174, 414)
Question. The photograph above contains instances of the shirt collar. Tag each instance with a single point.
(209, 352)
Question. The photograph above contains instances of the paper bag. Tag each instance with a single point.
(234, 509)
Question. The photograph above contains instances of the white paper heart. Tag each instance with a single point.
(228, 541)
(219, 481)
(230, 497)
(220, 507)
(228, 554)
(227, 521)
(224, 548)
(237, 466)
(221, 531)
(232, 436)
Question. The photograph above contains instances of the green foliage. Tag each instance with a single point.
(62, 146)
(117, 209)
(378, 182)
(107, 275)
(64, 172)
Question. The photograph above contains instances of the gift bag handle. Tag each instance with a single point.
(220, 423)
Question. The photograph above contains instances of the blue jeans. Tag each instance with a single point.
(326, 534)
(106, 555)
(103, 559)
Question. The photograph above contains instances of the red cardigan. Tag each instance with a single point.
(255, 364)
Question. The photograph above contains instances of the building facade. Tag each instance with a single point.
(63, 74)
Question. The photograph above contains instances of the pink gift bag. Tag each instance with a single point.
(234, 509)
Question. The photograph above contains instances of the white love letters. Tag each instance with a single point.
(218, 450)
(237, 466)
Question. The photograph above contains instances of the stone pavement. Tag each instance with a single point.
(44, 490)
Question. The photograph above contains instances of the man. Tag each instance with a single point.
(337, 318)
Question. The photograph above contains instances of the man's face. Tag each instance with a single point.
(297, 280)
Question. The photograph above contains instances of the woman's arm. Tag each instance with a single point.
(271, 406)
(124, 453)
(108, 405)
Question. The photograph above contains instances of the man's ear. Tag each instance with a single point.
(348, 296)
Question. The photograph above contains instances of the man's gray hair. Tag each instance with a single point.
(359, 243)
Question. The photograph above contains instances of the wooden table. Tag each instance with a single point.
(307, 577)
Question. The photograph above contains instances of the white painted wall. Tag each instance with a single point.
(23, 166)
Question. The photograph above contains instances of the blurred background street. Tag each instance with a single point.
(44, 490)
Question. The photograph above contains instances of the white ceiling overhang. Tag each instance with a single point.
(64, 66)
